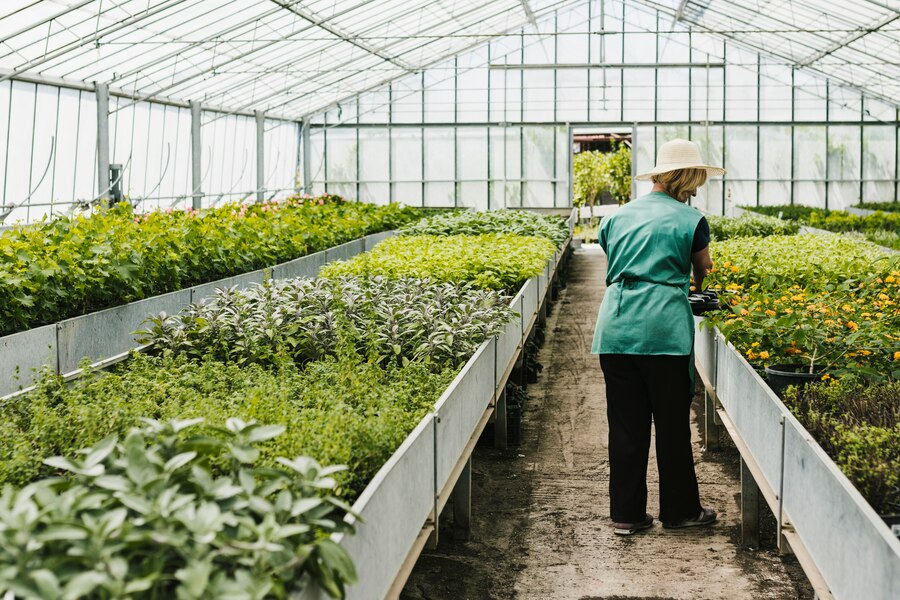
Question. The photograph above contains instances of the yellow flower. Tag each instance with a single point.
(852, 325)
(798, 298)
(754, 344)
(897, 355)
(883, 296)
(770, 312)
(889, 279)
(826, 377)
(734, 269)
(764, 354)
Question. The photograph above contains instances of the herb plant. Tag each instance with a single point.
(498, 261)
(858, 426)
(300, 320)
(146, 517)
(519, 222)
(747, 225)
(339, 411)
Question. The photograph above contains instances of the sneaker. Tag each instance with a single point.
(707, 517)
(630, 528)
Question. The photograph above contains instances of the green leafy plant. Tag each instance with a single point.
(146, 517)
(882, 206)
(858, 426)
(596, 173)
(519, 222)
(339, 411)
(881, 228)
(748, 225)
(497, 261)
(389, 321)
(66, 267)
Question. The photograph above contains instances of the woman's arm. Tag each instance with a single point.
(702, 263)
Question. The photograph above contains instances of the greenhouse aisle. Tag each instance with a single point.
(540, 528)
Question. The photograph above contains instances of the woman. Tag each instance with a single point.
(645, 339)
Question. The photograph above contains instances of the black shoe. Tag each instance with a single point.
(707, 517)
(630, 528)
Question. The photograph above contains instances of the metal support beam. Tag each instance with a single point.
(599, 65)
(307, 172)
(462, 503)
(260, 155)
(196, 149)
(102, 91)
(749, 508)
(500, 434)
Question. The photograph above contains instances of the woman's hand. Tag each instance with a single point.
(703, 264)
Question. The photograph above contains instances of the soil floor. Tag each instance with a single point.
(540, 526)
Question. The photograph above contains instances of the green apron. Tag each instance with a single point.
(645, 309)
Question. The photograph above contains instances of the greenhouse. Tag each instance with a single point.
(304, 299)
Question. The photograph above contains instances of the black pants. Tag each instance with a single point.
(639, 389)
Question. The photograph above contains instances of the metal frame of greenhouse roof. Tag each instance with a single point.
(292, 59)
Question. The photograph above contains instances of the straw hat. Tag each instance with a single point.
(679, 154)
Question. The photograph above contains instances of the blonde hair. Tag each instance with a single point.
(681, 183)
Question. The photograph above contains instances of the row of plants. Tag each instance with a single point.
(882, 206)
(345, 367)
(518, 222)
(390, 321)
(832, 305)
(828, 301)
(882, 228)
(858, 426)
(499, 261)
(69, 266)
(749, 225)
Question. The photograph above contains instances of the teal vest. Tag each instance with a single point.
(645, 309)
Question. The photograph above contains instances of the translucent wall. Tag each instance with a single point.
(492, 127)
(49, 164)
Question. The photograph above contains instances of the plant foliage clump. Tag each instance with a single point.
(147, 517)
(858, 426)
(810, 299)
(499, 261)
(340, 411)
(67, 267)
(596, 173)
(749, 225)
(389, 321)
(881, 228)
(519, 222)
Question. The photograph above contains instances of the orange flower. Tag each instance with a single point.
(897, 355)
(770, 312)
(764, 354)
(852, 325)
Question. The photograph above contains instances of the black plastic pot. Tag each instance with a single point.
(702, 302)
(893, 521)
(781, 376)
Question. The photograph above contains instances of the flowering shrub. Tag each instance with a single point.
(66, 267)
(810, 299)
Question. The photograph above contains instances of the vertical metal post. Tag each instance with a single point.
(304, 141)
(260, 155)
(102, 91)
(298, 159)
(711, 433)
(196, 149)
(827, 170)
(793, 131)
(462, 503)
(500, 431)
(783, 548)
(749, 508)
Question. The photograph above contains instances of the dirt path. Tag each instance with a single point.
(540, 528)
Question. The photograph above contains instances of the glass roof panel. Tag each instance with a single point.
(290, 55)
